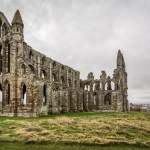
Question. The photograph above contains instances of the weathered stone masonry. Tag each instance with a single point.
(32, 84)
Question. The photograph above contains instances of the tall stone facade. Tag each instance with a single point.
(32, 84)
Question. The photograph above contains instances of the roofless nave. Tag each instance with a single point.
(32, 84)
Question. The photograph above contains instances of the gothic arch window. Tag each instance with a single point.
(4, 29)
(31, 69)
(54, 77)
(1, 96)
(0, 59)
(17, 50)
(8, 61)
(0, 28)
(7, 92)
(75, 83)
(43, 61)
(116, 86)
(17, 29)
(23, 69)
(54, 65)
(43, 74)
(88, 87)
(112, 85)
(69, 82)
(62, 80)
(24, 95)
(107, 99)
(44, 95)
(62, 68)
(30, 55)
(94, 86)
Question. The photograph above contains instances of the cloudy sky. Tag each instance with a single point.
(86, 35)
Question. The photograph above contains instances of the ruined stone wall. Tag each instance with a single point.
(33, 84)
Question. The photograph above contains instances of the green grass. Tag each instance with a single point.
(86, 130)
(34, 146)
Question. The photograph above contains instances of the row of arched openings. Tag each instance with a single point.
(24, 95)
(110, 86)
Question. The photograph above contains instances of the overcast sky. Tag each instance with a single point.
(86, 35)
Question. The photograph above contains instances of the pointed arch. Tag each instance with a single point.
(43, 74)
(31, 69)
(24, 95)
(44, 95)
(107, 99)
(69, 82)
(54, 65)
(62, 80)
(43, 60)
(30, 55)
(23, 69)
(4, 29)
(8, 62)
(1, 93)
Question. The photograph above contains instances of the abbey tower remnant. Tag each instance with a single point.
(32, 84)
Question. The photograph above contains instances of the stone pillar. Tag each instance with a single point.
(73, 101)
(85, 101)
(66, 109)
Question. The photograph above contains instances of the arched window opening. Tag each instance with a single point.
(1, 97)
(69, 82)
(94, 100)
(112, 86)
(69, 71)
(17, 50)
(43, 61)
(75, 83)
(94, 86)
(23, 69)
(109, 85)
(8, 63)
(88, 87)
(0, 28)
(107, 99)
(5, 30)
(30, 55)
(24, 96)
(62, 68)
(43, 74)
(31, 69)
(54, 65)
(100, 86)
(17, 29)
(105, 86)
(62, 80)
(0, 59)
(54, 77)
(116, 86)
(44, 95)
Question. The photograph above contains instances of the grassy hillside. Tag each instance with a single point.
(114, 130)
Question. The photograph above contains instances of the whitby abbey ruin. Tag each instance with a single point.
(31, 84)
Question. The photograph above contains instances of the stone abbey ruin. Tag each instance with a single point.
(32, 84)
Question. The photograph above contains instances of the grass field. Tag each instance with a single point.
(78, 131)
